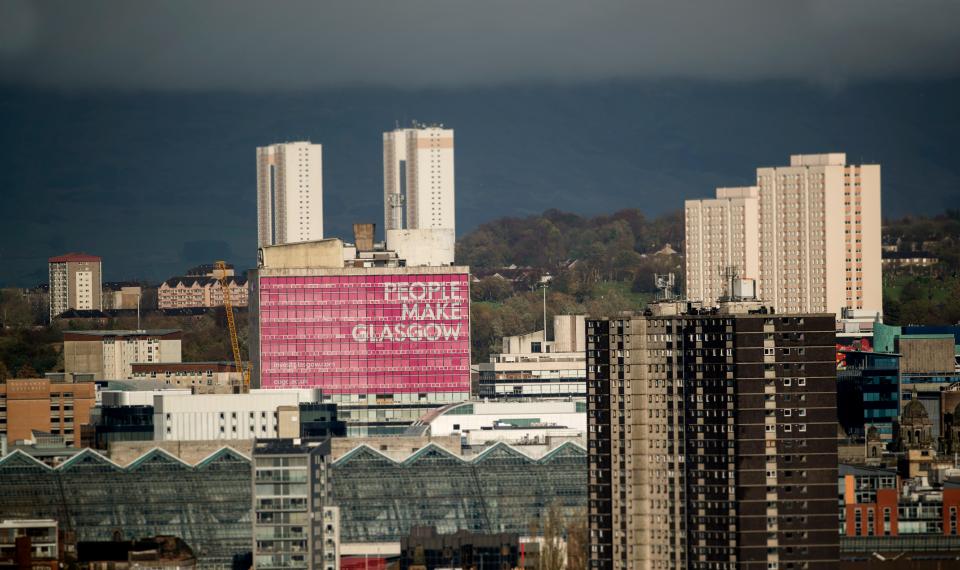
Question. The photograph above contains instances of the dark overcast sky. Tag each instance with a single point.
(128, 128)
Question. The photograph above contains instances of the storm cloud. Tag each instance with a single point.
(301, 45)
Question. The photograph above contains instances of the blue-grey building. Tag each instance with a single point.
(868, 393)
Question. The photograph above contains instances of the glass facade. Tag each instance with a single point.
(500, 490)
(210, 505)
(366, 334)
(868, 391)
(207, 505)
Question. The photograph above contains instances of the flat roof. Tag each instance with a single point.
(74, 256)
(146, 332)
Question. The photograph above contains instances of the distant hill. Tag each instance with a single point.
(597, 265)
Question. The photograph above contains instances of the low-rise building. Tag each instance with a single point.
(160, 552)
(530, 366)
(110, 354)
(258, 414)
(201, 377)
(201, 287)
(39, 404)
(425, 548)
(481, 421)
(121, 295)
(29, 543)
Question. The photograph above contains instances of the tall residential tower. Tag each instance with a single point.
(712, 440)
(818, 245)
(75, 283)
(418, 194)
(289, 193)
(418, 189)
(722, 236)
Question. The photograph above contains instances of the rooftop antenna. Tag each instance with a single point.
(665, 283)
(730, 275)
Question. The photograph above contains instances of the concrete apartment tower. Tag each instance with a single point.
(289, 193)
(721, 234)
(418, 194)
(75, 283)
(818, 248)
(712, 439)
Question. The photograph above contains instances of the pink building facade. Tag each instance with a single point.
(363, 330)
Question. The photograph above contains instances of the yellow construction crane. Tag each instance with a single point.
(221, 267)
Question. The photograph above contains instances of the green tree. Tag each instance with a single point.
(578, 540)
(491, 288)
(15, 311)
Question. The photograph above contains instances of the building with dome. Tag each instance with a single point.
(914, 428)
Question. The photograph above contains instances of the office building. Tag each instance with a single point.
(385, 343)
(110, 354)
(290, 491)
(258, 414)
(712, 439)
(289, 193)
(529, 366)
(868, 394)
(29, 543)
(42, 405)
(419, 195)
(486, 418)
(722, 242)
(75, 283)
(819, 238)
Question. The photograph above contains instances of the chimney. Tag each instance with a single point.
(363, 236)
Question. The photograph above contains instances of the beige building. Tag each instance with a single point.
(818, 240)
(183, 292)
(289, 193)
(530, 367)
(40, 404)
(722, 233)
(109, 355)
(121, 295)
(75, 283)
(201, 377)
(419, 194)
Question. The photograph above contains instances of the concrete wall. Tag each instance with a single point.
(927, 355)
(244, 416)
(569, 333)
(323, 253)
(83, 356)
(427, 246)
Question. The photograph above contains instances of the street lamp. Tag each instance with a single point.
(544, 283)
